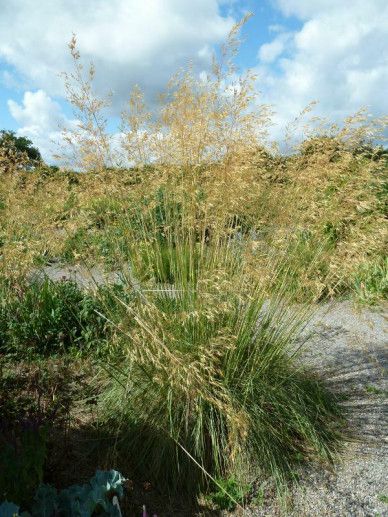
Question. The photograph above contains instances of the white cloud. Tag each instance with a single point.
(338, 57)
(129, 41)
(41, 120)
(269, 52)
(37, 110)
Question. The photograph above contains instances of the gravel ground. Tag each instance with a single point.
(80, 274)
(350, 348)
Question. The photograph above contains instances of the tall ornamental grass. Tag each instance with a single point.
(206, 382)
(203, 378)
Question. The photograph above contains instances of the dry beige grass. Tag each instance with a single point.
(208, 143)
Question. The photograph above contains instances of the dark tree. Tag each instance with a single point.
(22, 144)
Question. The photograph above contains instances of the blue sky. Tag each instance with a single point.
(334, 51)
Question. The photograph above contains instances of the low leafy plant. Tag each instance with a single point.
(92, 498)
(229, 494)
(39, 318)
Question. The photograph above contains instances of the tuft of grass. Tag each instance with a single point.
(205, 384)
(371, 281)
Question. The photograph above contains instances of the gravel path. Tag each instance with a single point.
(350, 348)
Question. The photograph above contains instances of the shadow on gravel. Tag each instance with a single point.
(358, 377)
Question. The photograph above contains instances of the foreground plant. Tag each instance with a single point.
(97, 497)
(206, 382)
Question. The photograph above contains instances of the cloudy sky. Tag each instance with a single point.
(334, 51)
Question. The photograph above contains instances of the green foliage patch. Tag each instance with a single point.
(42, 317)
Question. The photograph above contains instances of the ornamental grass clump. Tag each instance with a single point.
(203, 381)
(206, 382)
